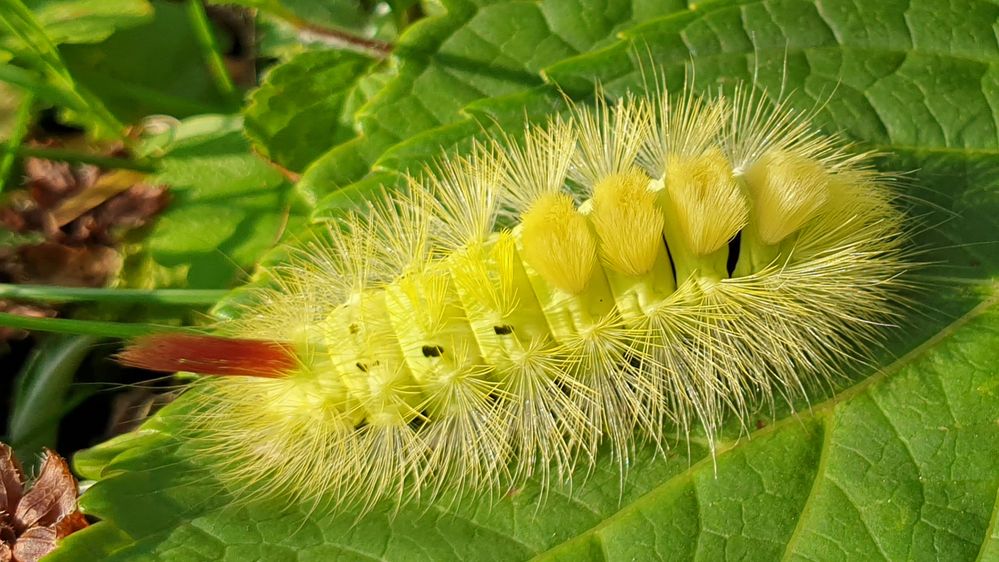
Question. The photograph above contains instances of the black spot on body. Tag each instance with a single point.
(504, 330)
(363, 367)
(433, 351)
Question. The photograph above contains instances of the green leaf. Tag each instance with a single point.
(41, 391)
(899, 466)
(159, 67)
(227, 207)
(898, 463)
(88, 21)
(15, 117)
(478, 50)
(305, 105)
(35, 48)
(357, 17)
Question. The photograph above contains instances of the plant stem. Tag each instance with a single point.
(24, 27)
(64, 155)
(171, 297)
(210, 50)
(41, 390)
(17, 134)
(27, 80)
(331, 36)
(86, 327)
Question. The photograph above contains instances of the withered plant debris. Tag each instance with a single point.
(33, 520)
(52, 263)
(80, 204)
(29, 310)
(134, 406)
(79, 211)
(236, 28)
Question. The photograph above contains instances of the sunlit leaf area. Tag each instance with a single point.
(163, 160)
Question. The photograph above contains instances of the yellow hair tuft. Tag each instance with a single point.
(704, 201)
(628, 222)
(558, 242)
(787, 191)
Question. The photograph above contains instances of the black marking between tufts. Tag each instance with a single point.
(632, 361)
(433, 351)
(420, 420)
(563, 386)
(362, 366)
(503, 330)
(734, 249)
(672, 266)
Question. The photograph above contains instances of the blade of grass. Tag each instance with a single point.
(30, 81)
(64, 155)
(87, 327)
(17, 134)
(21, 23)
(210, 51)
(40, 392)
(169, 297)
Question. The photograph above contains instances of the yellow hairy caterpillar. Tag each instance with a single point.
(622, 274)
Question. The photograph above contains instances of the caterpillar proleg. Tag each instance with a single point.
(628, 272)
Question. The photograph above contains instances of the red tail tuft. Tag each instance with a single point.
(209, 355)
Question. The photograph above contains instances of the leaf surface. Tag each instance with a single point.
(304, 106)
(897, 463)
(228, 207)
(88, 21)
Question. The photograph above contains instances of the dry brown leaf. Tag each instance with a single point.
(52, 497)
(131, 208)
(70, 524)
(34, 543)
(51, 263)
(11, 480)
(50, 182)
(104, 188)
(32, 522)
(7, 334)
(78, 210)
(81, 208)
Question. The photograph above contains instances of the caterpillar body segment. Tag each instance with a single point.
(672, 261)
